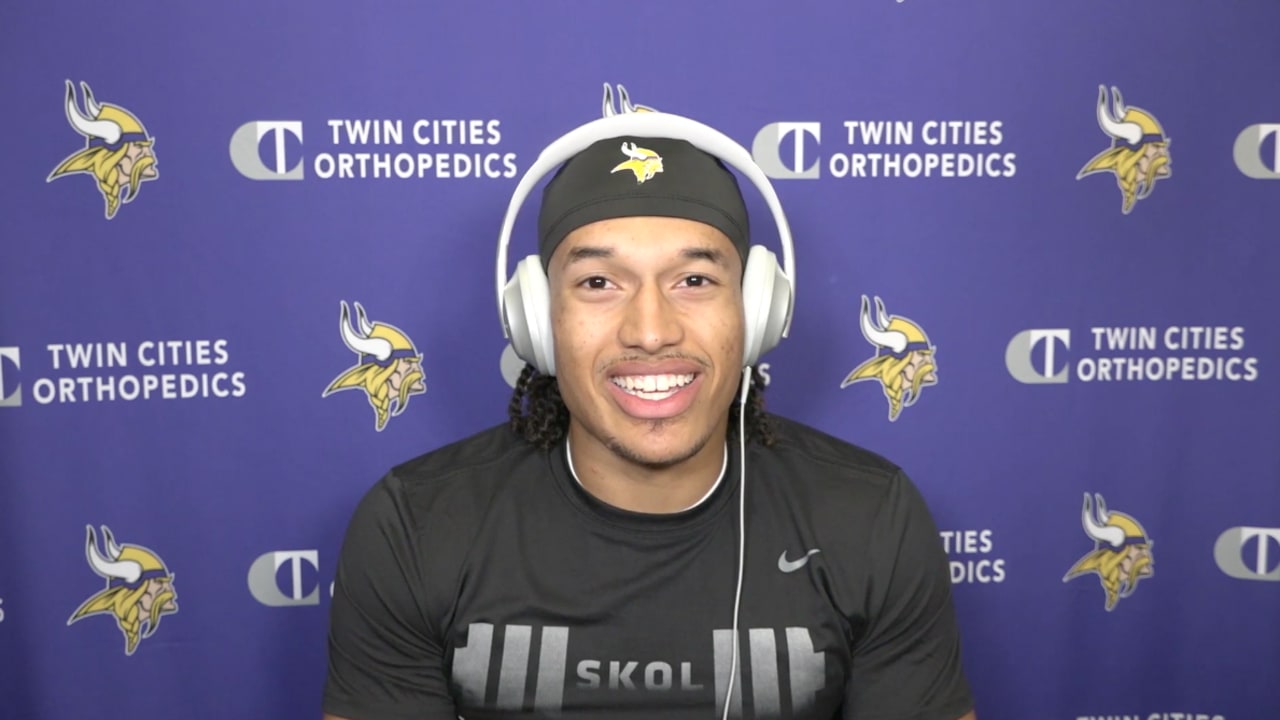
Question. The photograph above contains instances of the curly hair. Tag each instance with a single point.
(538, 413)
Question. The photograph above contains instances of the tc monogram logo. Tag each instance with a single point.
(1234, 550)
(766, 149)
(1017, 356)
(244, 149)
(10, 397)
(1248, 152)
(265, 589)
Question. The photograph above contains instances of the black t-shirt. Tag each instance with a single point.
(482, 581)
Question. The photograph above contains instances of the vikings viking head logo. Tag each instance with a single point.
(1121, 553)
(390, 368)
(623, 105)
(118, 152)
(1139, 152)
(139, 588)
(904, 362)
(644, 163)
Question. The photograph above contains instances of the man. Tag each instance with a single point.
(582, 560)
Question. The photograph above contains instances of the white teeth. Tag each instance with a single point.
(652, 387)
(656, 395)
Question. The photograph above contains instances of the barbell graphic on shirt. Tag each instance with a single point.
(471, 664)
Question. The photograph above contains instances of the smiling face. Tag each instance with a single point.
(648, 324)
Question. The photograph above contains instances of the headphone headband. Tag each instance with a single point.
(645, 124)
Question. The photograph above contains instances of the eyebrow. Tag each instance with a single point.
(591, 252)
(587, 252)
(705, 253)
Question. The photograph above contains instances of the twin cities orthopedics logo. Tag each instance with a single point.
(118, 154)
(596, 680)
(1249, 553)
(105, 372)
(1131, 354)
(904, 363)
(972, 554)
(389, 369)
(1139, 152)
(1257, 151)
(402, 149)
(928, 148)
(287, 578)
(1121, 554)
(139, 590)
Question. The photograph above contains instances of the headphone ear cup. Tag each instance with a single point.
(766, 300)
(526, 311)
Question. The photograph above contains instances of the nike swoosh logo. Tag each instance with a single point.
(787, 566)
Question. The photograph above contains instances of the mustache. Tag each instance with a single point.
(157, 609)
(701, 362)
(135, 177)
(1147, 183)
(406, 386)
(1140, 565)
(918, 381)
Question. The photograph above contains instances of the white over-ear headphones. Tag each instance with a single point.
(768, 291)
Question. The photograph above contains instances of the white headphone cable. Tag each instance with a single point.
(742, 530)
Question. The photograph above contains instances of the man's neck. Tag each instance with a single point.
(625, 484)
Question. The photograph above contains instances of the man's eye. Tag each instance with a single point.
(697, 281)
(596, 283)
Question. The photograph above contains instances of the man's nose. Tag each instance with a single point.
(651, 322)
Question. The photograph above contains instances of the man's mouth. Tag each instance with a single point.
(652, 387)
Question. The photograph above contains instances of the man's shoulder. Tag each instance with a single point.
(796, 442)
(456, 480)
(838, 485)
(488, 453)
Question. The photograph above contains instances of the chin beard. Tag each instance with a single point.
(652, 462)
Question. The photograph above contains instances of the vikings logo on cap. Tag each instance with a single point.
(1139, 152)
(139, 588)
(1121, 554)
(390, 367)
(643, 162)
(903, 364)
(119, 153)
